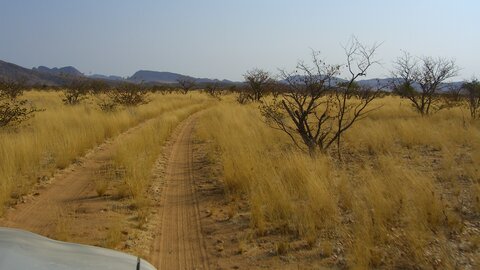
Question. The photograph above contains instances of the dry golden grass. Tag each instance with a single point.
(136, 156)
(60, 134)
(114, 236)
(406, 193)
(62, 226)
(101, 186)
(394, 201)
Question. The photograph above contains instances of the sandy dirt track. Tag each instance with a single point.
(179, 243)
(71, 188)
(176, 242)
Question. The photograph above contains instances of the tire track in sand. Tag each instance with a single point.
(68, 188)
(179, 243)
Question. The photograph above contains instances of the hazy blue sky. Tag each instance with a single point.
(222, 39)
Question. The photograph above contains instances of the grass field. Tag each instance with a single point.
(56, 137)
(405, 194)
(136, 156)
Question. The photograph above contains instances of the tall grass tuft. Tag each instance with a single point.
(136, 155)
(54, 138)
(386, 202)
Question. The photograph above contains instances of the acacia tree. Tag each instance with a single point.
(421, 80)
(98, 86)
(14, 110)
(103, 93)
(213, 89)
(258, 81)
(316, 109)
(128, 94)
(186, 84)
(243, 94)
(76, 91)
(472, 93)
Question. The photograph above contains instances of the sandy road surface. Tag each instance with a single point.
(179, 243)
(69, 188)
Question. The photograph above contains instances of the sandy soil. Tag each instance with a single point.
(191, 224)
(67, 206)
(179, 243)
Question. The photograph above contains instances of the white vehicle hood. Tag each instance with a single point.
(21, 250)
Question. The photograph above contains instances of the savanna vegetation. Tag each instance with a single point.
(136, 156)
(57, 135)
(404, 195)
(358, 176)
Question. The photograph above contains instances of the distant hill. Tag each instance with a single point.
(104, 77)
(299, 79)
(43, 75)
(149, 76)
(60, 76)
(63, 71)
(155, 76)
(12, 72)
(386, 84)
(376, 83)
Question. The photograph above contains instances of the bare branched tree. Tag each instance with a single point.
(213, 89)
(316, 108)
(98, 86)
(129, 94)
(104, 96)
(243, 94)
(186, 84)
(421, 80)
(105, 102)
(258, 82)
(13, 109)
(303, 112)
(472, 93)
(277, 88)
(76, 91)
